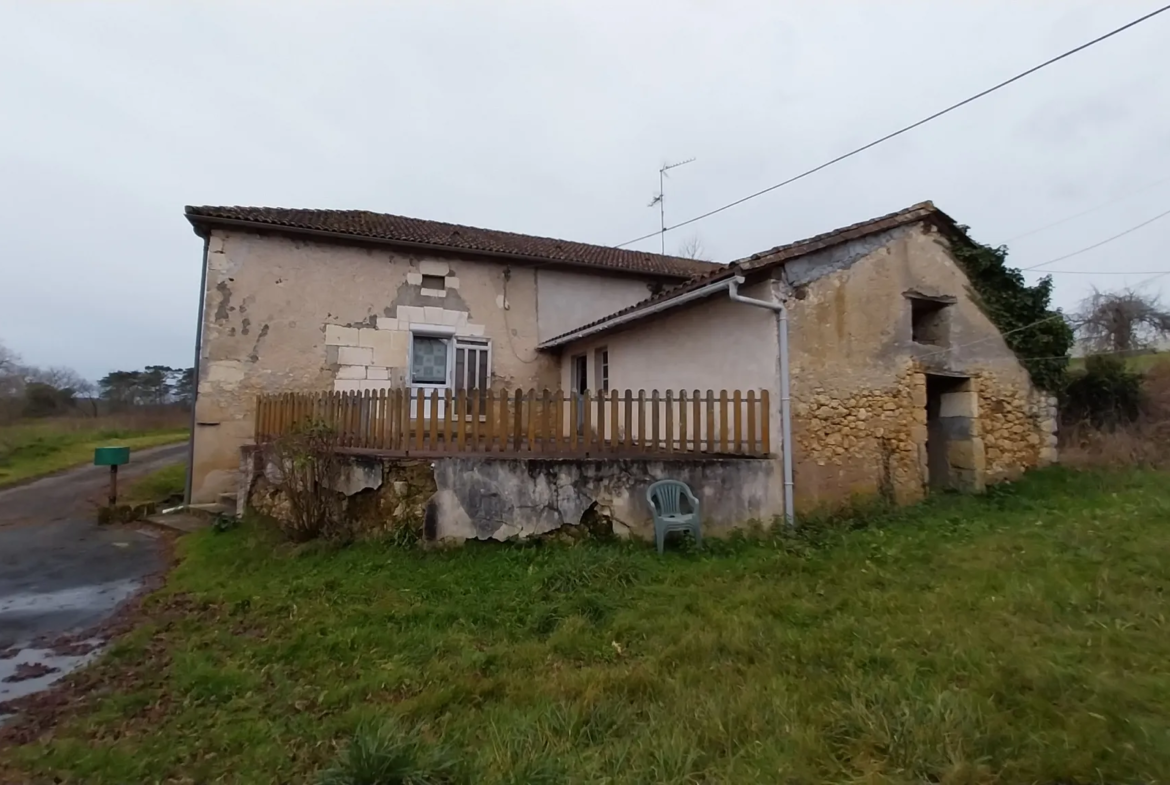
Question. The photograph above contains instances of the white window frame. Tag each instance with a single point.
(431, 331)
(472, 345)
(601, 368)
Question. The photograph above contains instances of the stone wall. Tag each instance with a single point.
(488, 498)
(380, 496)
(862, 442)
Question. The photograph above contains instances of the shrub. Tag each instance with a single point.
(308, 469)
(1105, 395)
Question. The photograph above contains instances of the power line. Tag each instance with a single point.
(910, 127)
(1097, 245)
(1086, 212)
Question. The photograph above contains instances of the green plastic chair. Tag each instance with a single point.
(665, 498)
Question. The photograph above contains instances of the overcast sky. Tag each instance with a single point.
(550, 118)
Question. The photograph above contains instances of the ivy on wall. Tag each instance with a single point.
(1038, 334)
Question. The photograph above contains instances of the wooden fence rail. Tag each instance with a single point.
(548, 422)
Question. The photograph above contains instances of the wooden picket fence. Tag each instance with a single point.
(551, 423)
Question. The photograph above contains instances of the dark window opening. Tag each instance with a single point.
(928, 321)
(434, 282)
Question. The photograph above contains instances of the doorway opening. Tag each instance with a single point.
(953, 453)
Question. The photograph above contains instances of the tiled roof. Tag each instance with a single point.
(361, 224)
(766, 260)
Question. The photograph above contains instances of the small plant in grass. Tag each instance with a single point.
(389, 756)
(309, 468)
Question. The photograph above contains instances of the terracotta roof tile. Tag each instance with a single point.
(361, 224)
(774, 257)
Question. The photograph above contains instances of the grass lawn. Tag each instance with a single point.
(1017, 637)
(164, 485)
(31, 449)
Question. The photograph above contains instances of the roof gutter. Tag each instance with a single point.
(196, 220)
(617, 321)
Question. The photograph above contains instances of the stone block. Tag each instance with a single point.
(376, 373)
(346, 385)
(454, 318)
(373, 384)
(387, 323)
(414, 279)
(433, 267)
(351, 372)
(959, 404)
(432, 314)
(355, 355)
(967, 454)
(337, 335)
(452, 282)
(410, 313)
(392, 351)
(225, 372)
(433, 292)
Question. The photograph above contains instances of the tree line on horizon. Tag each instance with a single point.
(34, 391)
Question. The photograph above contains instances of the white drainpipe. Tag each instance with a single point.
(785, 393)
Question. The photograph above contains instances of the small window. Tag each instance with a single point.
(928, 321)
(428, 363)
(434, 282)
(601, 359)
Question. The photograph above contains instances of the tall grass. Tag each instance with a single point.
(30, 448)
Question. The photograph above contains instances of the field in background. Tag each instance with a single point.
(31, 448)
(1018, 636)
(1139, 362)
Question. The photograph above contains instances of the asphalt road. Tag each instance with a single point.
(61, 573)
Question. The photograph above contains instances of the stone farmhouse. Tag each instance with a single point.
(854, 363)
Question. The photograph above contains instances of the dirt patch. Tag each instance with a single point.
(30, 670)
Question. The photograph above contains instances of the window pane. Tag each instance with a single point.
(460, 369)
(483, 379)
(429, 363)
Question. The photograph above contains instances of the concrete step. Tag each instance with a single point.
(181, 522)
(212, 509)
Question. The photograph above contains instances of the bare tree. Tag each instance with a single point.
(11, 373)
(1121, 321)
(692, 248)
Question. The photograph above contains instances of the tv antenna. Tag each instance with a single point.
(660, 199)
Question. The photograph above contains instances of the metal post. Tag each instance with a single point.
(113, 486)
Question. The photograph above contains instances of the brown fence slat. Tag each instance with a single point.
(668, 438)
(682, 421)
(765, 419)
(628, 405)
(642, 420)
(723, 406)
(655, 434)
(737, 423)
(587, 422)
(710, 402)
(489, 425)
(750, 447)
(545, 427)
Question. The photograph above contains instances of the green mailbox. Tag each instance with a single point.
(111, 456)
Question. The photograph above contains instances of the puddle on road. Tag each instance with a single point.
(95, 599)
(63, 665)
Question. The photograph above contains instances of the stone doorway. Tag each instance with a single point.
(954, 450)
